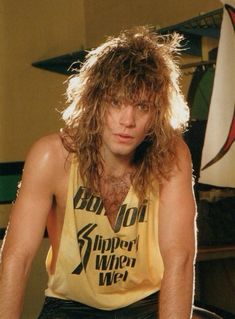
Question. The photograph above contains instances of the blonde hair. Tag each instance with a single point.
(136, 63)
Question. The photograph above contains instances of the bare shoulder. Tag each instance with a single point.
(182, 151)
(182, 172)
(47, 158)
(49, 150)
(183, 164)
(48, 144)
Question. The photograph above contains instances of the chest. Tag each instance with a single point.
(113, 192)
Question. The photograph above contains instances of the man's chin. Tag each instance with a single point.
(124, 153)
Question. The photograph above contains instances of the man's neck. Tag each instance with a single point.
(116, 165)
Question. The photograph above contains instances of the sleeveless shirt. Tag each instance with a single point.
(101, 266)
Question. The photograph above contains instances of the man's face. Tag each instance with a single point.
(125, 127)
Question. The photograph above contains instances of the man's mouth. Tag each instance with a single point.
(124, 137)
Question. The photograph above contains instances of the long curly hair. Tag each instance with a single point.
(137, 63)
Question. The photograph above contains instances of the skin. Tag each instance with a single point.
(47, 168)
(125, 128)
(177, 240)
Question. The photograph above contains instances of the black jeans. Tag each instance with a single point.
(146, 308)
(55, 308)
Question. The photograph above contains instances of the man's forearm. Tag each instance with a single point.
(12, 287)
(176, 296)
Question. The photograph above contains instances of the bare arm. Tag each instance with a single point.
(26, 227)
(177, 240)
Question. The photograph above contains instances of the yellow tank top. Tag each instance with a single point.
(100, 266)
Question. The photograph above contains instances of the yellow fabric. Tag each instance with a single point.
(100, 266)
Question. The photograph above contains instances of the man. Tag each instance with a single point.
(114, 189)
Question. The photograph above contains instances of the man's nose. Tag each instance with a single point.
(127, 116)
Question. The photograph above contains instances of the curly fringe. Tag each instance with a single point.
(137, 63)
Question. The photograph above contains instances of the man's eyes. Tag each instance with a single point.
(115, 103)
(143, 106)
